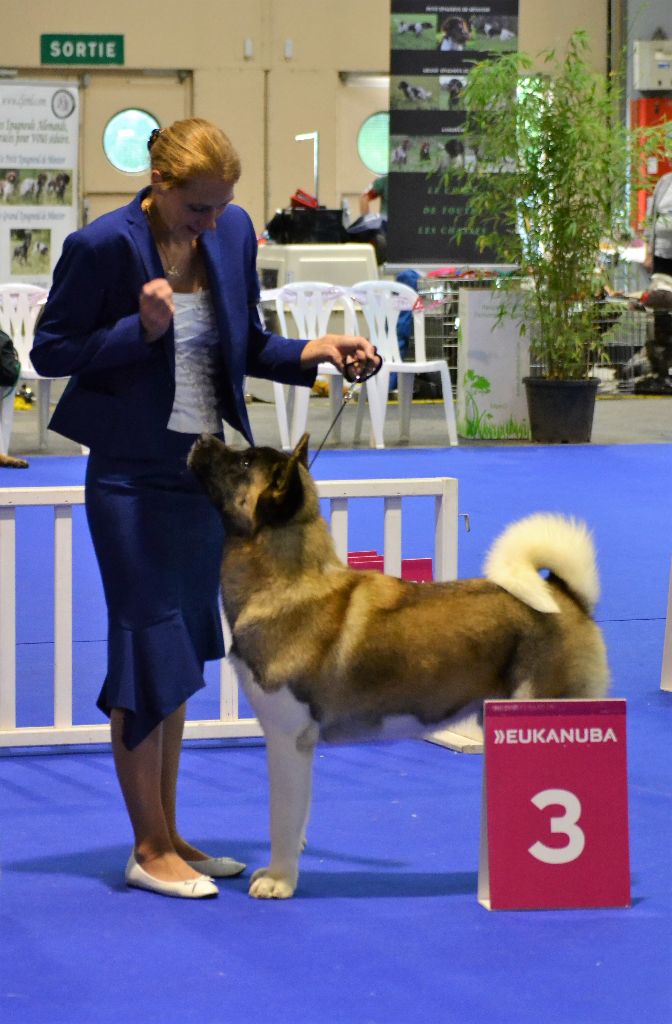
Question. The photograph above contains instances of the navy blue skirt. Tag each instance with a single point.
(158, 541)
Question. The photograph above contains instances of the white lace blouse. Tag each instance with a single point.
(197, 405)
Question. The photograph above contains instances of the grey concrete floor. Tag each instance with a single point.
(619, 419)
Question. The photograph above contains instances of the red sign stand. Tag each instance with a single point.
(419, 570)
(554, 831)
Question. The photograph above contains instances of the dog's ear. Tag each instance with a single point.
(283, 497)
(301, 450)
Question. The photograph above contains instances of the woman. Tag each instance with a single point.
(153, 316)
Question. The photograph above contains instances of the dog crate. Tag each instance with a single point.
(440, 297)
(621, 361)
(622, 332)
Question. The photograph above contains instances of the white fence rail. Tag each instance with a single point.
(666, 672)
(229, 724)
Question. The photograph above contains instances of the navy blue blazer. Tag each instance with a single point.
(121, 389)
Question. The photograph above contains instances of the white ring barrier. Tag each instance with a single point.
(229, 725)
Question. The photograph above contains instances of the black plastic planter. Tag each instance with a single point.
(560, 411)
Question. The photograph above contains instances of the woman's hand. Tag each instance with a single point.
(354, 356)
(156, 308)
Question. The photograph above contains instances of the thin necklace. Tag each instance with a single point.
(171, 270)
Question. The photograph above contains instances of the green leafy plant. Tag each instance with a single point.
(479, 423)
(474, 384)
(549, 169)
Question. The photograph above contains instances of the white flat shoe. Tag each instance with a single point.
(192, 889)
(218, 867)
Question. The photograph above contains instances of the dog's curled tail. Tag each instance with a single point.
(544, 541)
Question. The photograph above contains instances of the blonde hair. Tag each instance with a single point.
(190, 149)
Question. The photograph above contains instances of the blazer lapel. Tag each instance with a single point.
(142, 239)
(224, 276)
(220, 274)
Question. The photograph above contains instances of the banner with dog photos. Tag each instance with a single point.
(432, 48)
(39, 140)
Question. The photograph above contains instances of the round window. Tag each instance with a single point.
(125, 140)
(373, 142)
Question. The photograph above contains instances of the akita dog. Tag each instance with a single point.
(334, 654)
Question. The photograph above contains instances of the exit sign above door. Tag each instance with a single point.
(78, 49)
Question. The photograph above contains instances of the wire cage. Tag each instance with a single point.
(622, 333)
(440, 297)
(619, 359)
(623, 359)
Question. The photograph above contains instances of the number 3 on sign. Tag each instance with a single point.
(566, 824)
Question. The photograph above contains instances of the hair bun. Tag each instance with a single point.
(153, 137)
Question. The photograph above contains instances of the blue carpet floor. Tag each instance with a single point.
(385, 928)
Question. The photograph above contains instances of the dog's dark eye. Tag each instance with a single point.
(244, 462)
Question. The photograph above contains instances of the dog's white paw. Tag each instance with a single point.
(271, 885)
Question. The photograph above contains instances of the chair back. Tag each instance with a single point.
(311, 305)
(381, 303)
(20, 306)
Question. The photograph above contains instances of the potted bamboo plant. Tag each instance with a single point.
(549, 168)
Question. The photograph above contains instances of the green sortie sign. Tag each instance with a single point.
(69, 49)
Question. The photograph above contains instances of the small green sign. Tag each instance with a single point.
(70, 49)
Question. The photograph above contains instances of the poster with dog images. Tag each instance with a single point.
(39, 140)
(432, 49)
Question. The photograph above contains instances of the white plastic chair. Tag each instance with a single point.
(310, 305)
(381, 303)
(20, 305)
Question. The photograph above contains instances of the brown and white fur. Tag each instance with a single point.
(334, 654)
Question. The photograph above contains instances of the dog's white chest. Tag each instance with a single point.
(277, 710)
